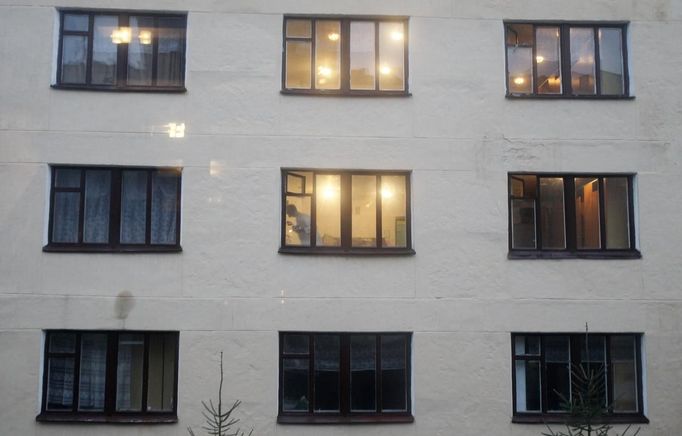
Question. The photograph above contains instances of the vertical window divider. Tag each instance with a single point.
(602, 214)
(115, 208)
(624, 59)
(406, 52)
(344, 66)
(377, 58)
(76, 375)
(88, 57)
(148, 215)
(313, 52)
(565, 43)
(313, 213)
(111, 374)
(155, 51)
(608, 372)
(145, 373)
(538, 215)
(81, 208)
(408, 212)
(60, 49)
(311, 372)
(639, 364)
(631, 213)
(569, 205)
(597, 61)
(543, 375)
(122, 54)
(534, 63)
(378, 212)
(346, 210)
(378, 386)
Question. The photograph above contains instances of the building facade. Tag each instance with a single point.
(456, 225)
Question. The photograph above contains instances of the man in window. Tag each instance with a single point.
(302, 225)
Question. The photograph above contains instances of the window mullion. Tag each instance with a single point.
(379, 393)
(145, 372)
(597, 61)
(122, 55)
(81, 208)
(313, 54)
(602, 214)
(148, 217)
(538, 212)
(313, 213)
(346, 211)
(378, 212)
(155, 51)
(565, 43)
(631, 214)
(534, 72)
(311, 373)
(88, 63)
(608, 373)
(76, 375)
(569, 204)
(115, 208)
(543, 376)
(377, 57)
(345, 55)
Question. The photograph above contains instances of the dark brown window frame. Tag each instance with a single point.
(114, 244)
(562, 417)
(345, 89)
(565, 57)
(109, 415)
(569, 215)
(345, 416)
(346, 247)
(122, 52)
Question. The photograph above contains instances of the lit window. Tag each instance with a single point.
(114, 209)
(344, 377)
(559, 215)
(121, 51)
(104, 376)
(566, 60)
(544, 367)
(326, 211)
(345, 56)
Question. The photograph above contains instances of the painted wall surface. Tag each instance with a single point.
(458, 134)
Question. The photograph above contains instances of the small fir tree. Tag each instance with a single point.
(220, 422)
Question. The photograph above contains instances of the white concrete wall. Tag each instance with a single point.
(459, 295)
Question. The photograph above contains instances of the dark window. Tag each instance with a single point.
(344, 377)
(345, 55)
(559, 215)
(331, 211)
(543, 377)
(104, 376)
(121, 51)
(567, 59)
(114, 209)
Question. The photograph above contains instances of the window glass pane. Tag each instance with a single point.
(364, 221)
(582, 61)
(74, 58)
(527, 386)
(527, 345)
(327, 354)
(363, 373)
(393, 211)
(552, 213)
(129, 372)
(76, 22)
(141, 51)
(297, 230)
(97, 202)
(161, 373)
(68, 178)
(93, 372)
(300, 182)
(328, 210)
(587, 213)
(298, 64)
(393, 373)
(296, 344)
(624, 374)
(520, 58)
(548, 59)
(523, 224)
(164, 207)
(295, 385)
(60, 383)
(593, 360)
(133, 207)
(611, 61)
(104, 51)
(391, 56)
(299, 29)
(171, 35)
(65, 218)
(62, 343)
(617, 213)
(327, 54)
(362, 55)
(558, 370)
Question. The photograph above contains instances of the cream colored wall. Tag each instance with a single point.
(458, 134)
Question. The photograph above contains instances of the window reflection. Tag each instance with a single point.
(74, 58)
(582, 61)
(129, 372)
(520, 58)
(552, 213)
(588, 232)
(617, 213)
(104, 51)
(611, 61)
(548, 60)
(362, 55)
(363, 373)
(524, 193)
(140, 52)
(393, 211)
(327, 54)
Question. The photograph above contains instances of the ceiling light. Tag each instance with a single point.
(121, 35)
(385, 70)
(324, 71)
(145, 37)
(519, 80)
(386, 193)
(397, 36)
(540, 59)
(333, 36)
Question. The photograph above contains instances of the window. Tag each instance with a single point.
(547, 59)
(348, 56)
(344, 377)
(577, 215)
(541, 373)
(121, 51)
(354, 212)
(104, 376)
(114, 209)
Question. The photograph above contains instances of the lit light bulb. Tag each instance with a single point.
(324, 71)
(333, 36)
(519, 80)
(328, 192)
(122, 35)
(385, 70)
(540, 59)
(145, 37)
(397, 36)
(386, 193)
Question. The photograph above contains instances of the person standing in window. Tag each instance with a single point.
(302, 225)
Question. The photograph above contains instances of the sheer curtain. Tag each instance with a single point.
(164, 207)
(97, 201)
(129, 372)
(133, 207)
(93, 367)
(169, 64)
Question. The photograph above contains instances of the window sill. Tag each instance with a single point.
(567, 97)
(100, 419)
(51, 248)
(334, 251)
(336, 93)
(559, 419)
(535, 254)
(351, 419)
(152, 89)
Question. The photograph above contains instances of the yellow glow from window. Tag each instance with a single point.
(333, 36)
(539, 59)
(385, 69)
(122, 35)
(329, 192)
(386, 193)
(519, 80)
(145, 37)
(397, 36)
(324, 71)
